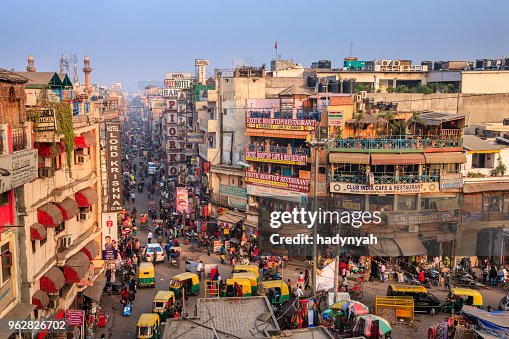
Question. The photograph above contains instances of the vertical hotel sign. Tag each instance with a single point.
(114, 167)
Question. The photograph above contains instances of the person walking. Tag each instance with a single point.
(149, 237)
(199, 269)
(133, 196)
(493, 275)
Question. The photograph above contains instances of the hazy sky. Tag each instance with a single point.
(129, 40)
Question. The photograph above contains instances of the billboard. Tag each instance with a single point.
(201, 62)
(18, 169)
(182, 200)
(178, 83)
(114, 167)
(109, 236)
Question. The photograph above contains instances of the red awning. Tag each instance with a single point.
(76, 267)
(37, 232)
(86, 197)
(79, 142)
(46, 149)
(49, 215)
(41, 299)
(69, 208)
(84, 140)
(52, 281)
(91, 249)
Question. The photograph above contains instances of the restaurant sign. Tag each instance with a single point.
(277, 181)
(424, 217)
(281, 124)
(451, 181)
(276, 193)
(46, 120)
(276, 158)
(343, 187)
(18, 168)
(114, 167)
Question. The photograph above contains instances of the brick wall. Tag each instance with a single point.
(12, 104)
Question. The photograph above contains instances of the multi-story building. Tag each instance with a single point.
(61, 233)
(18, 167)
(405, 165)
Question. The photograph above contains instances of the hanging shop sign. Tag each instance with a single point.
(114, 167)
(18, 169)
(350, 203)
(277, 181)
(348, 188)
(109, 236)
(451, 181)
(182, 96)
(281, 124)
(46, 120)
(74, 317)
(336, 118)
(423, 217)
(195, 138)
(276, 158)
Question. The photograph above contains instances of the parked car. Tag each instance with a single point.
(148, 252)
(423, 300)
(503, 305)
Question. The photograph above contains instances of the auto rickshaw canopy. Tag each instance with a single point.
(272, 284)
(468, 292)
(148, 320)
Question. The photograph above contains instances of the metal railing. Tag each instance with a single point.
(278, 149)
(19, 139)
(396, 142)
(381, 178)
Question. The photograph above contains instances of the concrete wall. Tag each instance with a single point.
(485, 82)
(480, 108)
(274, 86)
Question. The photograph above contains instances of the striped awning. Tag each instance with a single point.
(349, 158)
(397, 159)
(49, 215)
(52, 281)
(69, 208)
(37, 232)
(91, 249)
(76, 267)
(445, 158)
(86, 197)
(40, 299)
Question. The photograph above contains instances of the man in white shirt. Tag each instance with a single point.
(299, 292)
(199, 269)
(149, 237)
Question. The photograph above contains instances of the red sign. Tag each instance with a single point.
(276, 158)
(282, 124)
(277, 181)
(74, 317)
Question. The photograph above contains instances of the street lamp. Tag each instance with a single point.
(317, 145)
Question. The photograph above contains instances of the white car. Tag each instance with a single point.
(148, 252)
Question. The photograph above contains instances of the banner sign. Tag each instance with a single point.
(178, 83)
(195, 138)
(277, 181)
(282, 124)
(276, 158)
(336, 118)
(451, 180)
(18, 168)
(114, 167)
(276, 193)
(74, 317)
(109, 235)
(341, 187)
(169, 93)
(201, 62)
(423, 217)
(182, 199)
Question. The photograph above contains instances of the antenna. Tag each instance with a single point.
(64, 64)
(351, 48)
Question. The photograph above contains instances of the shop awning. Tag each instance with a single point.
(230, 218)
(49, 215)
(447, 204)
(384, 248)
(467, 243)
(86, 197)
(397, 159)
(52, 281)
(40, 299)
(95, 291)
(349, 158)
(91, 249)
(46, 149)
(76, 267)
(251, 132)
(37, 232)
(69, 208)
(474, 144)
(84, 140)
(485, 187)
(410, 245)
(445, 158)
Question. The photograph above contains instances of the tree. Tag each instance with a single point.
(500, 169)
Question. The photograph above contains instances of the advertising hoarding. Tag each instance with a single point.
(18, 169)
(182, 199)
(114, 167)
(109, 236)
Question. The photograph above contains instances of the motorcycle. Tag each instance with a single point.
(127, 309)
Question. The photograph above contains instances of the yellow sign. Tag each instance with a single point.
(276, 158)
(348, 188)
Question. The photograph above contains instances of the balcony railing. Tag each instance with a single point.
(19, 139)
(395, 143)
(278, 149)
(381, 178)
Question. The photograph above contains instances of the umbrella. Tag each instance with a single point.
(356, 307)
(384, 326)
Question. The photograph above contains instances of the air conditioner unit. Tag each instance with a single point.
(396, 63)
(84, 215)
(363, 94)
(413, 228)
(46, 172)
(385, 63)
(65, 241)
(358, 98)
(81, 159)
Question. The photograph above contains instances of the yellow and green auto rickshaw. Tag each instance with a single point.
(276, 291)
(458, 297)
(249, 276)
(244, 286)
(188, 280)
(247, 269)
(148, 326)
(162, 302)
(146, 275)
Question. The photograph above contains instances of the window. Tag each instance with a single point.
(4, 198)
(60, 228)
(6, 262)
(43, 241)
(34, 248)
